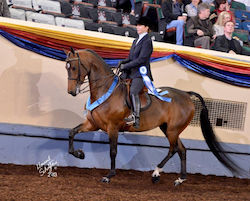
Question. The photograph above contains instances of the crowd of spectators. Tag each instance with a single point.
(196, 23)
(201, 22)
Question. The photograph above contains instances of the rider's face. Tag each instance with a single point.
(141, 29)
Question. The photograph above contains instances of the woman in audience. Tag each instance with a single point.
(191, 8)
(219, 25)
(220, 6)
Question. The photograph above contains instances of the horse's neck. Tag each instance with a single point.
(100, 79)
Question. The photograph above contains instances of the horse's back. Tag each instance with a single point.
(180, 110)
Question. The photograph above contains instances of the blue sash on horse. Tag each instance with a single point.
(143, 70)
(99, 101)
(150, 86)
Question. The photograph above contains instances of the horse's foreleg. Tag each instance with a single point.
(84, 127)
(77, 153)
(113, 137)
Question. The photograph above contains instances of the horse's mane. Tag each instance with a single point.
(100, 58)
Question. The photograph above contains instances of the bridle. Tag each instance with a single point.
(78, 78)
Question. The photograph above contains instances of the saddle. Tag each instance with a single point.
(145, 99)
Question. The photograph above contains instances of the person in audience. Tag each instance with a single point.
(174, 16)
(128, 6)
(4, 9)
(139, 55)
(220, 6)
(132, 12)
(219, 25)
(226, 43)
(191, 8)
(200, 29)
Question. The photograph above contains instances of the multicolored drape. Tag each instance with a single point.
(52, 43)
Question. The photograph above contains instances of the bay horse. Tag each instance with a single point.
(172, 117)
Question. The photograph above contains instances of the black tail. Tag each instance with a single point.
(212, 141)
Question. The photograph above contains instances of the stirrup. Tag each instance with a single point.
(130, 119)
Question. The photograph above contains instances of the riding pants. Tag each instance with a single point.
(137, 85)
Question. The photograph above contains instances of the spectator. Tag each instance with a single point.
(4, 9)
(128, 6)
(132, 12)
(219, 25)
(199, 28)
(220, 6)
(174, 16)
(191, 8)
(226, 43)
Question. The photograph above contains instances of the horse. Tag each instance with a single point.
(171, 117)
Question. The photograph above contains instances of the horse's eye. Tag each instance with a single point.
(73, 68)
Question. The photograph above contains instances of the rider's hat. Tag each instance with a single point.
(144, 21)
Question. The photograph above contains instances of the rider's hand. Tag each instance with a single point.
(122, 67)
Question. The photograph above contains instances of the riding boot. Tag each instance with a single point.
(135, 116)
(136, 106)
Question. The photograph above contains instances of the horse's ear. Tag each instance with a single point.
(66, 51)
(72, 50)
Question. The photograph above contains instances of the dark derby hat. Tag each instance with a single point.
(144, 21)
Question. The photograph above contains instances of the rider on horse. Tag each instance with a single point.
(139, 55)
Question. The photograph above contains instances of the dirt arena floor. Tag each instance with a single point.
(24, 183)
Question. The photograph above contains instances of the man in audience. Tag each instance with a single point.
(226, 43)
(200, 29)
(4, 9)
(173, 15)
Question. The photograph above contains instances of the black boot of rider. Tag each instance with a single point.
(135, 117)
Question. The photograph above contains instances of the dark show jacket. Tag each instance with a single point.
(139, 55)
(222, 44)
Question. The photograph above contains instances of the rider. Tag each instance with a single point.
(139, 55)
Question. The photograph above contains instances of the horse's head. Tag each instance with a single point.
(77, 72)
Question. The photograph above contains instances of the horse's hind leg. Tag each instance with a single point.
(85, 126)
(172, 150)
(182, 155)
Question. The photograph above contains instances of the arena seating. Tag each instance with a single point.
(102, 16)
(40, 18)
(18, 13)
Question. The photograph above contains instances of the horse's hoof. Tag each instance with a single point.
(179, 182)
(105, 180)
(79, 154)
(155, 179)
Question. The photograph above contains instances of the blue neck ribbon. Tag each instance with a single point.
(150, 85)
(90, 106)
